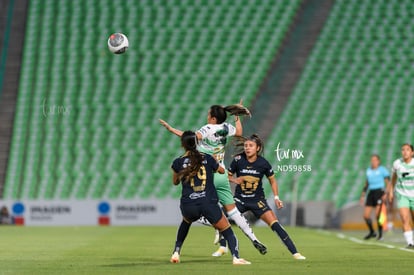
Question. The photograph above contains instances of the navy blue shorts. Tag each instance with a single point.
(257, 206)
(192, 212)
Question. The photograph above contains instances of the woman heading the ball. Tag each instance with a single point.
(194, 171)
(212, 139)
(402, 182)
(247, 171)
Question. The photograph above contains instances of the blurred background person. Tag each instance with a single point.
(5, 217)
(373, 195)
(403, 184)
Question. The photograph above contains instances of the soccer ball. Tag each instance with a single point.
(118, 43)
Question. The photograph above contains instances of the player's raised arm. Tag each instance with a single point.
(171, 129)
(175, 131)
(239, 127)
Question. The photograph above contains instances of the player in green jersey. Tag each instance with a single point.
(402, 182)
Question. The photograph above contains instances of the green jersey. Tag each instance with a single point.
(214, 138)
(405, 174)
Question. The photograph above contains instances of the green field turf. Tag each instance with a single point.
(146, 250)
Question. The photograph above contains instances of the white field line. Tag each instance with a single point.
(358, 241)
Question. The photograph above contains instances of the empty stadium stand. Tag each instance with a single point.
(353, 99)
(86, 123)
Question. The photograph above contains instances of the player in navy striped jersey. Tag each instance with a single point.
(195, 171)
(247, 171)
(212, 139)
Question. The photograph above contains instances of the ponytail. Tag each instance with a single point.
(189, 142)
(238, 143)
(220, 113)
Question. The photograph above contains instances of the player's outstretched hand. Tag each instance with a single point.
(165, 124)
(279, 204)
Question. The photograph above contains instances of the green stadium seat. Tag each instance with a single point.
(183, 57)
(352, 99)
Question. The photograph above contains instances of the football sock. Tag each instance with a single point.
(231, 239)
(379, 224)
(242, 223)
(408, 236)
(223, 242)
(181, 235)
(283, 235)
(369, 224)
(379, 230)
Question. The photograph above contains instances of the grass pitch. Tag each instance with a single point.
(146, 250)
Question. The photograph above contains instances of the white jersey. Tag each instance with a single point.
(405, 180)
(214, 138)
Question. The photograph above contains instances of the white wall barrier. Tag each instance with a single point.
(132, 212)
(94, 212)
